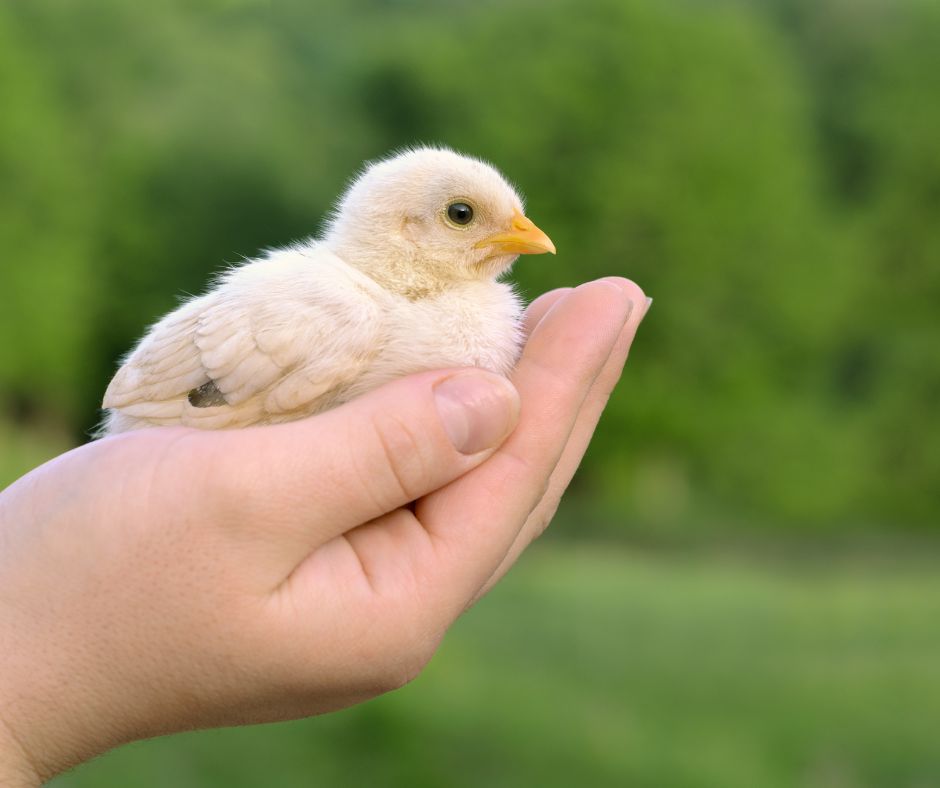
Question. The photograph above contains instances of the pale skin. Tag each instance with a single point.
(169, 579)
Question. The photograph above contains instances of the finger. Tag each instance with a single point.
(592, 409)
(300, 484)
(540, 307)
(475, 519)
(580, 437)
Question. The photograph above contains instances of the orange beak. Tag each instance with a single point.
(523, 238)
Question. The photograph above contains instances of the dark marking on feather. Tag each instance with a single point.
(206, 396)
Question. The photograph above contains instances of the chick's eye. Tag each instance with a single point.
(460, 213)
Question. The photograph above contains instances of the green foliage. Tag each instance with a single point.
(613, 669)
(45, 275)
(767, 171)
(26, 449)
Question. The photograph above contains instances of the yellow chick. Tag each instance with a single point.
(405, 279)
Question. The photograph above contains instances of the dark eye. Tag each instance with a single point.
(460, 213)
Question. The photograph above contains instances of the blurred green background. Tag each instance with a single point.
(742, 587)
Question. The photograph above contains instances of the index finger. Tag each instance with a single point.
(475, 519)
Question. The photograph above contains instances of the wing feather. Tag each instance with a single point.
(274, 338)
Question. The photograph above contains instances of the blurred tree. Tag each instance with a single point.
(46, 276)
(873, 75)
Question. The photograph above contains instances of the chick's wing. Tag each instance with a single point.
(266, 342)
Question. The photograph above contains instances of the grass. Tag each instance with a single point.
(612, 668)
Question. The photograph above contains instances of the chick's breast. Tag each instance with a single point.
(477, 324)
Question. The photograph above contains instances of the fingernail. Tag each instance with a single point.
(478, 409)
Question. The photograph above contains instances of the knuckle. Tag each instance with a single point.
(544, 485)
(407, 644)
(355, 472)
(409, 662)
(386, 665)
(545, 517)
(402, 672)
(405, 463)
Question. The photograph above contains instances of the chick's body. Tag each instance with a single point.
(299, 332)
(311, 326)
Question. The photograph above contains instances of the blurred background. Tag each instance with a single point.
(742, 587)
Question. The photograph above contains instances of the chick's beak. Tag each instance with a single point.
(523, 238)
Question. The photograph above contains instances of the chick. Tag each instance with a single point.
(404, 279)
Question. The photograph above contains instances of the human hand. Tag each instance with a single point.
(170, 579)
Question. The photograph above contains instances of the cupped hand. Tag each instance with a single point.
(170, 579)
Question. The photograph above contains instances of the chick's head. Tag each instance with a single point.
(428, 217)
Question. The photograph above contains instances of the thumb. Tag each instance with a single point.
(314, 479)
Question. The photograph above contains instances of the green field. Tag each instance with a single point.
(616, 668)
